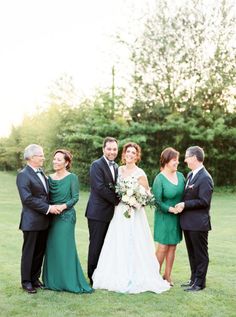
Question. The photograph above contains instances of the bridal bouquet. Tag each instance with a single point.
(133, 195)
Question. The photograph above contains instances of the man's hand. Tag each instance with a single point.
(179, 207)
(54, 210)
(173, 210)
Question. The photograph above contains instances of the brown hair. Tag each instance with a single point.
(109, 139)
(168, 154)
(137, 148)
(67, 156)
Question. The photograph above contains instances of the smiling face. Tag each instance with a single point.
(37, 159)
(59, 162)
(190, 160)
(172, 165)
(110, 150)
(130, 155)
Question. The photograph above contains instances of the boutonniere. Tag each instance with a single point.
(191, 186)
(111, 186)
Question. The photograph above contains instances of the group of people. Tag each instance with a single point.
(121, 254)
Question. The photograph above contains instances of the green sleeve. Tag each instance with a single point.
(157, 190)
(74, 189)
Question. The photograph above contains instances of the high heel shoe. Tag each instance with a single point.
(169, 281)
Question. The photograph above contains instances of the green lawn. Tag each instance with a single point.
(218, 299)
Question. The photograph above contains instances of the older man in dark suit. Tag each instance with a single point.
(32, 185)
(102, 200)
(195, 217)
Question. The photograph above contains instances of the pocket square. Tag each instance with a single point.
(191, 186)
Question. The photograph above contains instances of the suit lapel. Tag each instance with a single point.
(194, 179)
(107, 169)
(35, 176)
(116, 172)
(46, 182)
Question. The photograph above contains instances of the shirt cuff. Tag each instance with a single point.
(48, 210)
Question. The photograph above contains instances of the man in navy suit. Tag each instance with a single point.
(32, 185)
(195, 217)
(102, 200)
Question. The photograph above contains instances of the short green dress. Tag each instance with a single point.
(167, 228)
(62, 270)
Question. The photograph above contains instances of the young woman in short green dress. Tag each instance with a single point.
(168, 188)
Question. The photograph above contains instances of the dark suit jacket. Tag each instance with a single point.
(34, 199)
(103, 198)
(197, 199)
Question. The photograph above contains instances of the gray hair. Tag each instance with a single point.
(197, 151)
(31, 150)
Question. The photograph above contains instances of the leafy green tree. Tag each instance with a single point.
(86, 127)
(184, 61)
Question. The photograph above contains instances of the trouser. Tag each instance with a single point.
(197, 247)
(33, 250)
(97, 233)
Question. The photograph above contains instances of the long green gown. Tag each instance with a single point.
(62, 269)
(167, 228)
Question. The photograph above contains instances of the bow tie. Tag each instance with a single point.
(111, 163)
(39, 170)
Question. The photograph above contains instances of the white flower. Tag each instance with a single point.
(132, 194)
(129, 192)
(132, 201)
(125, 198)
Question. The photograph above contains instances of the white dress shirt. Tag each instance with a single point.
(111, 167)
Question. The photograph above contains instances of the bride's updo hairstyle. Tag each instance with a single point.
(167, 155)
(67, 156)
(137, 148)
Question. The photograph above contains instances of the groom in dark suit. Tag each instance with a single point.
(102, 200)
(195, 217)
(32, 185)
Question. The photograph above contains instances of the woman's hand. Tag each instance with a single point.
(180, 207)
(177, 209)
(173, 210)
(61, 207)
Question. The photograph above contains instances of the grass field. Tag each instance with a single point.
(218, 299)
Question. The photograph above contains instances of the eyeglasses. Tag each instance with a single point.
(187, 156)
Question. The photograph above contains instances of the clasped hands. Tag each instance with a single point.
(177, 209)
(57, 209)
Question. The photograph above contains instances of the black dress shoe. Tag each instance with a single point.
(187, 284)
(194, 288)
(28, 287)
(38, 284)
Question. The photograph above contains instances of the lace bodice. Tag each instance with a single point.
(138, 172)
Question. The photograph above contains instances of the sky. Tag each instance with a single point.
(41, 40)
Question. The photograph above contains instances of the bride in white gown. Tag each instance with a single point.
(127, 262)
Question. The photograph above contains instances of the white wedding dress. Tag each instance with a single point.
(127, 262)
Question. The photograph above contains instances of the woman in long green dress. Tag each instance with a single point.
(62, 270)
(168, 188)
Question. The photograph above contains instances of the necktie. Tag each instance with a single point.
(190, 177)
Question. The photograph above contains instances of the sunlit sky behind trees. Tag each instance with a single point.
(42, 40)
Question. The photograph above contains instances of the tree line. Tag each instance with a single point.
(182, 92)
